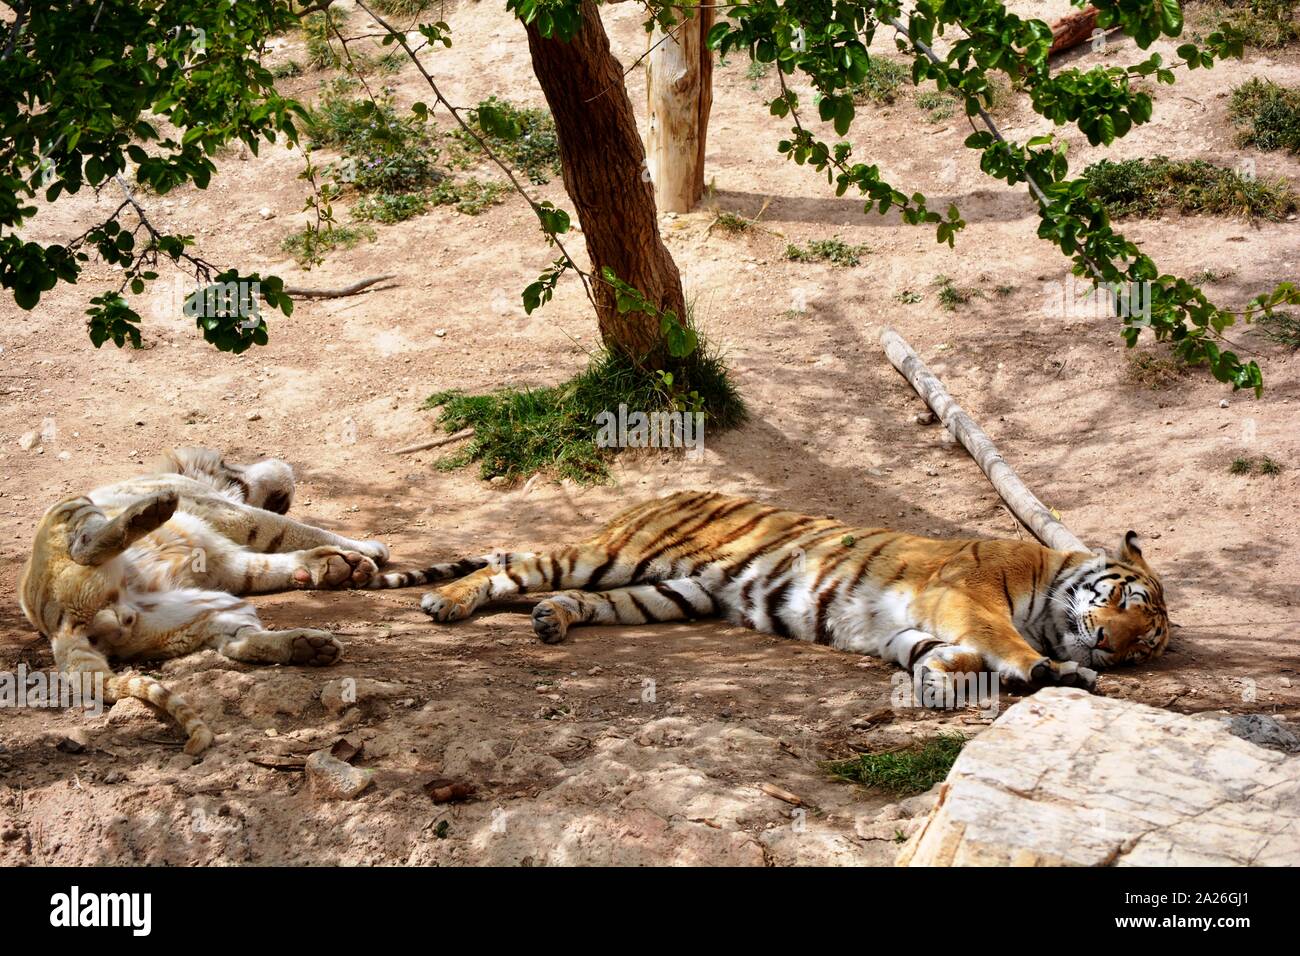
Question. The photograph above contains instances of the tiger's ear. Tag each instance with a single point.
(1130, 551)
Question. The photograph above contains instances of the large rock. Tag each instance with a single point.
(1069, 778)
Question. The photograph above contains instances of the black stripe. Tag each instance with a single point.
(793, 533)
(683, 605)
(669, 542)
(920, 648)
(772, 605)
(645, 611)
(274, 546)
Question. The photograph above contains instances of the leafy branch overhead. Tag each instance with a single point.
(161, 87)
(91, 89)
(827, 43)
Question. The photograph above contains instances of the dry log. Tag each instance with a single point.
(1033, 514)
(1069, 31)
(347, 290)
(435, 442)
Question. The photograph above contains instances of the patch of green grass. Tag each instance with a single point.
(1281, 327)
(951, 295)
(1269, 115)
(524, 138)
(1147, 187)
(1255, 465)
(731, 223)
(470, 196)
(308, 245)
(908, 296)
(287, 69)
(1211, 274)
(390, 207)
(520, 431)
(939, 105)
(324, 52)
(1155, 371)
(757, 71)
(885, 76)
(403, 8)
(835, 251)
(1263, 24)
(382, 150)
(904, 772)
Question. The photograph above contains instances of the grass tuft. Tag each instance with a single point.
(1155, 371)
(904, 772)
(1147, 187)
(520, 431)
(884, 78)
(523, 138)
(1269, 115)
(1255, 465)
(835, 251)
(1280, 327)
(309, 244)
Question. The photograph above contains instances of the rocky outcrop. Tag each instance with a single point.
(1070, 778)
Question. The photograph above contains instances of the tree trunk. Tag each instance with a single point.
(604, 167)
(679, 94)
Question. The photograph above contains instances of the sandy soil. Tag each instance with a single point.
(635, 745)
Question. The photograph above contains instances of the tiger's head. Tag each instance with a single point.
(1117, 611)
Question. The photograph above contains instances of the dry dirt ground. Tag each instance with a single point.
(635, 745)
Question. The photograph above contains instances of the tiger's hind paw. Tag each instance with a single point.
(314, 648)
(330, 567)
(444, 609)
(550, 622)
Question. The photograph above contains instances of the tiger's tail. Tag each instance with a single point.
(74, 654)
(437, 572)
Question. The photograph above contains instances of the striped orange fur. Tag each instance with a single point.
(154, 567)
(1032, 615)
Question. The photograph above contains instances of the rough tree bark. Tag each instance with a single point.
(679, 95)
(1073, 29)
(605, 173)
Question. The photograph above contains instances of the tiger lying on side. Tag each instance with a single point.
(150, 568)
(1032, 615)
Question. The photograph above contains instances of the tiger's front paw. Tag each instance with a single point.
(445, 608)
(1048, 673)
(376, 551)
(330, 567)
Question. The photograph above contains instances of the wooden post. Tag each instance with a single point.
(1033, 514)
(679, 93)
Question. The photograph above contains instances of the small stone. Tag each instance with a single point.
(440, 332)
(73, 742)
(64, 455)
(28, 440)
(254, 416)
(114, 776)
(266, 212)
(331, 779)
(1223, 403)
(926, 418)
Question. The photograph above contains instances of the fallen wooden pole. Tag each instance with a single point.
(435, 442)
(1033, 514)
(1074, 29)
(347, 290)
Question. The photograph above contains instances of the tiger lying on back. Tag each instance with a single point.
(150, 568)
(1032, 615)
